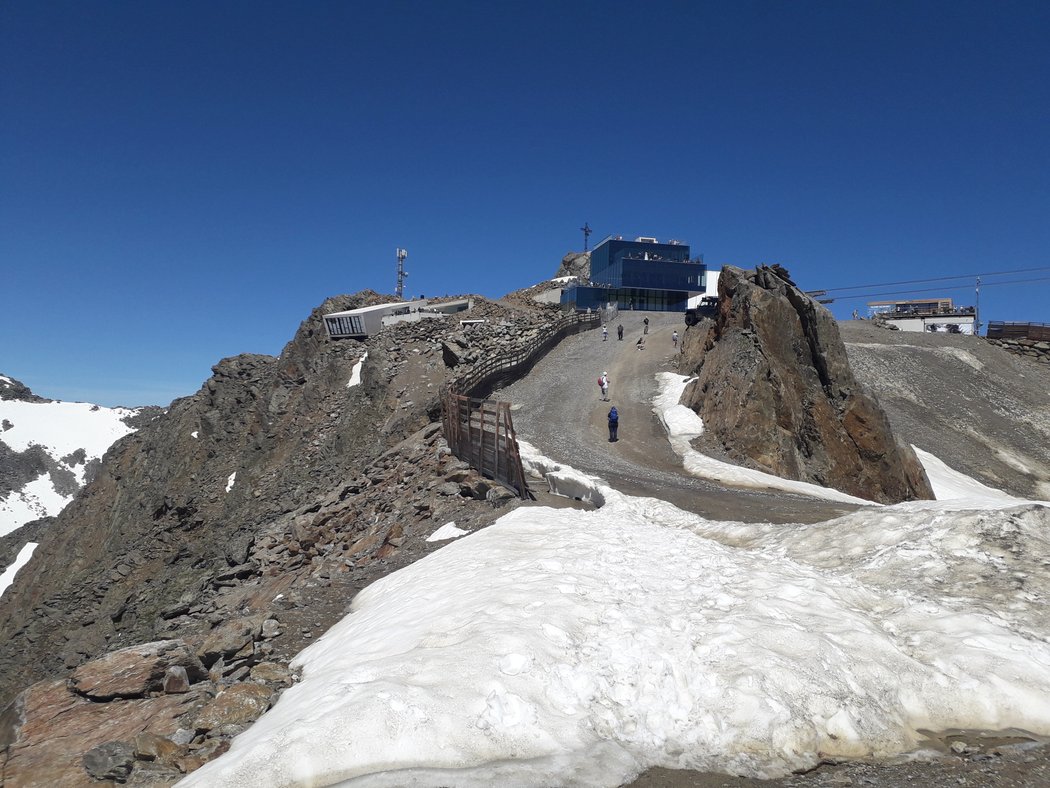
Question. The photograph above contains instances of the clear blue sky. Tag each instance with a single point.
(185, 181)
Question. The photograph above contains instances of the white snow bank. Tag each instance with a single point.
(63, 427)
(950, 485)
(447, 531)
(563, 647)
(355, 373)
(682, 425)
(59, 428)
(230, 481)
(36, 499)
(8, 577)
(562, 279)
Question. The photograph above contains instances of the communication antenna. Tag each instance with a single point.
(977, 310)
(586, 234)
(401, 274)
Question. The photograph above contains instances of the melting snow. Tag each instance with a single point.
(355, 373)
(574, 647)
(193, 434)
(230, 480)
(8, 576)
(447, 531)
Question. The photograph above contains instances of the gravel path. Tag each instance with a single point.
(557, 408)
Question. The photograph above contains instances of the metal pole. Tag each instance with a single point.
(977, 310)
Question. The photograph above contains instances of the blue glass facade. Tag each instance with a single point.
(639, 275)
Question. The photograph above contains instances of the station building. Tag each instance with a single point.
(642, 274)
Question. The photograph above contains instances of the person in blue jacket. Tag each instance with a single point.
(614, 424)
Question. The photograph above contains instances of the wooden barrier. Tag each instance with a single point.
(1039, 332)
(480, 431)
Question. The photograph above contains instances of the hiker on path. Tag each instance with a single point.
(605, 333)
(619, 332)
(646, 324)
(614, 424)
(603, 384)
(674, 338)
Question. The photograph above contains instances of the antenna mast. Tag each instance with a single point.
(401, 274)
(586, 234)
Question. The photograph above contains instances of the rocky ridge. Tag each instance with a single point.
(775, 391)
(240, 524)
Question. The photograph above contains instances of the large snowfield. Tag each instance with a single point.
(568, 647)
(60, 428)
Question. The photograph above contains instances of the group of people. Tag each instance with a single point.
(603, 379)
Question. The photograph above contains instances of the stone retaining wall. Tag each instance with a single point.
(1029, 348)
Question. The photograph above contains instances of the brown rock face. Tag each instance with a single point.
(776, 392)
(133, 672)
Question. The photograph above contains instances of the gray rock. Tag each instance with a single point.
(110, 761)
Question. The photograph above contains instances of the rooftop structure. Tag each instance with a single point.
(368, 320)
(928, 314)
(640, 274)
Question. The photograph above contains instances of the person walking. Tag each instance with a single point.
(645, 322)
(619, 332)
(603, 383)
(605, 333)
(674, 339)
(614, 424)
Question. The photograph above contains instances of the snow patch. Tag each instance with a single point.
(193, 434)
(355, 373)
(952, 486)
(8, 577)
(35, 500)
(230, 480)
(561, 646)
(447, 531)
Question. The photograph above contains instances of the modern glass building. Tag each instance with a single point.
(640, 274)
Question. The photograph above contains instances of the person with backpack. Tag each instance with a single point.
(614, 424)
(603, 384)
(674, 339)
(605, 333)
(645, 322)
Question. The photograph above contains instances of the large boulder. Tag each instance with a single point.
(775, 391)
(576, 264)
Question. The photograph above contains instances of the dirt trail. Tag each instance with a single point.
(558, 409)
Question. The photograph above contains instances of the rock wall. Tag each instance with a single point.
(775, 391)
(576, 264)
(1026, 348)
(222, 490)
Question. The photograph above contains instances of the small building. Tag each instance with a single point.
(641, 274)
(368, 320)
(928, 314)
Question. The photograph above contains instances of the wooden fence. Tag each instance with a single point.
(480, 431)
(1039, 332)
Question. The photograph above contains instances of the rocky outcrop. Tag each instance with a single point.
(1031, 349)
(775, 391)
(124, 718)
(576, 264)
(240, 523)
(17, 390)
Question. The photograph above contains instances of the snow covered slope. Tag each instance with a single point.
(48, 449)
